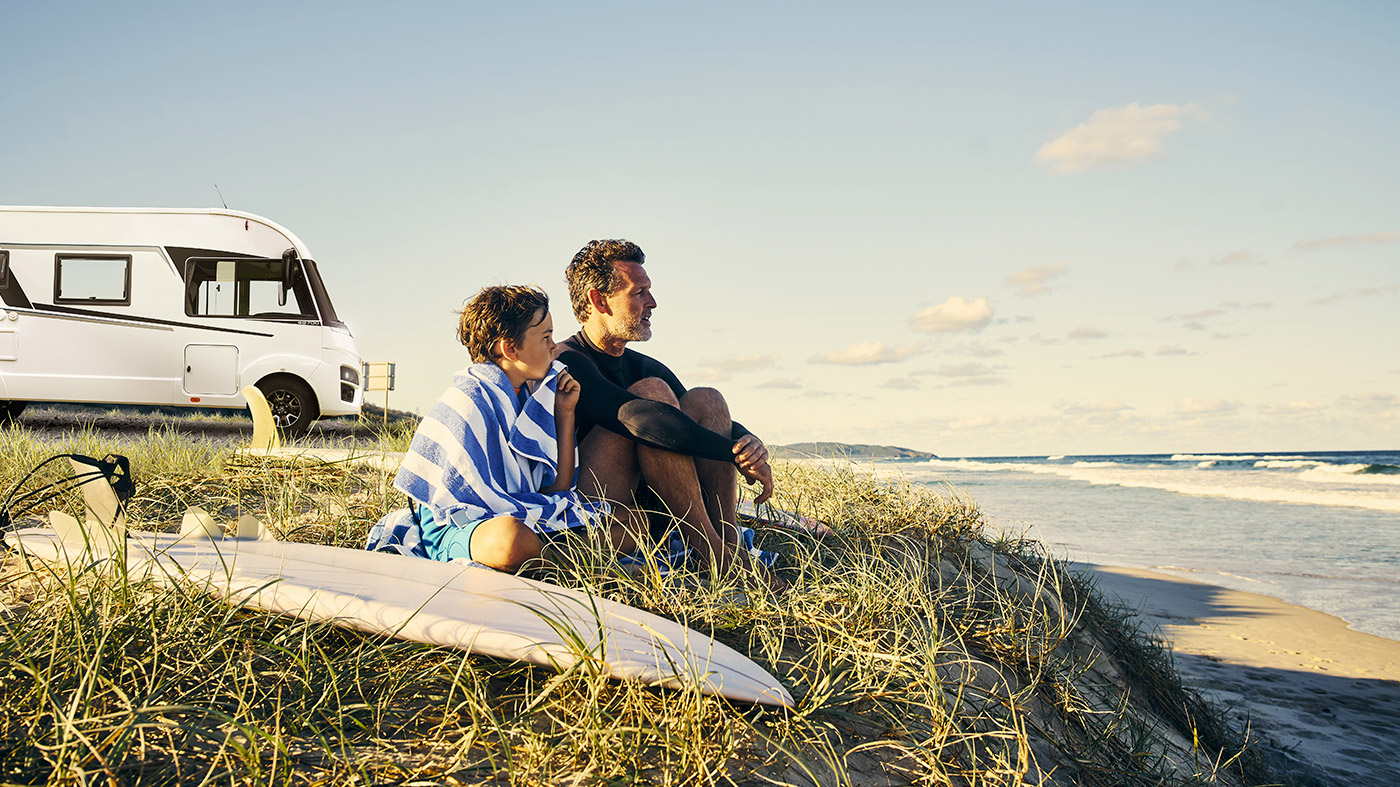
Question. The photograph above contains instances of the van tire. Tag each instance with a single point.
(9, 412)
(292, 402)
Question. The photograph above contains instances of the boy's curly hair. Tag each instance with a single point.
(592, 268)
(495, 313)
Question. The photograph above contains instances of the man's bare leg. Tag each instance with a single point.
(612, 467)
(608, 471)
(719, 481)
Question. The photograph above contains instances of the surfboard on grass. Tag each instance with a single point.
(767, 514)
(474, 609)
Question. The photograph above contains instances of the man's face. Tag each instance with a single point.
(631, 304)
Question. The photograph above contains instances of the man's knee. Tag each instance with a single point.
(655, 389)
(705, 405)
(504, 543)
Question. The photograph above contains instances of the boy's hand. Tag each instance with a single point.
(566, 393)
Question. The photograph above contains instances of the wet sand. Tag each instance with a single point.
(1327, 696)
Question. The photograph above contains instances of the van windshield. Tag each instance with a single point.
(245, 288)
(323, 298)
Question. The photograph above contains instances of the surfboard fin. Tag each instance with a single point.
(104, 510)
(250, 527)
(69, 530)
(265, 439)
(198, 524)
(74, 533)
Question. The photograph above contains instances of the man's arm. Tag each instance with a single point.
(747, 451)
(652, 423)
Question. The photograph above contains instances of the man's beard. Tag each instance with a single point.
(634, 331)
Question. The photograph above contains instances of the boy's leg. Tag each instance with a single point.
(504, 543)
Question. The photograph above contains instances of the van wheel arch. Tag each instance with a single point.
(293, 403)
(9, 411)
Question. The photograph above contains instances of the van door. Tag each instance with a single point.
(9, 344)
(211, 370)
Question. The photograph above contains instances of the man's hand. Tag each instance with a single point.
(751, 455)
(566, 393)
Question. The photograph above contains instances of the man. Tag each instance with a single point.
(640, 431)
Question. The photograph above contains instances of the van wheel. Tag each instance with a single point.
(292, 403)
(9, 411)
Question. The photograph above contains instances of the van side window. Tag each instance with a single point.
(4, 269)
(92, 278)
(244, 288)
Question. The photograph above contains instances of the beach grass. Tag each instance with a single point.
(918, 650)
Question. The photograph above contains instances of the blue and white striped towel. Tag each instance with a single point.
(484, 452)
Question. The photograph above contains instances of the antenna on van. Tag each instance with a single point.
(221, 196)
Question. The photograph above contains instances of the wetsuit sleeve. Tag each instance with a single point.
(654, 368)
(652, 423)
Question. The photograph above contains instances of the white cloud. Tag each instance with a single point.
(1196, 407)
(783, 384)
(902, 383)
(1241, 257)
(955, 314)
(1204, 314)
(1129, 353)
(1371, 402)
(867, 353)
(710, 375)
(1193, 320)
(962, 370)
(1116, 136)
(1031, 281)
(1342, 241)
(1171, 349)
(976, 350)
(987, 381)
(1291, 408)
(741, 363)
(1087, 408)
(1085, 333)
(1388, 289)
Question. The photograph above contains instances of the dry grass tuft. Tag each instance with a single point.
(918, 654)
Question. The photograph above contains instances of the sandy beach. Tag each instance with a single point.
(1328, 696)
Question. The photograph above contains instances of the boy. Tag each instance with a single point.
(491, 469)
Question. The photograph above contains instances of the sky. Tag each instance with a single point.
(974, 229)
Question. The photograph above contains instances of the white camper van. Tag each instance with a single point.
(168, 307)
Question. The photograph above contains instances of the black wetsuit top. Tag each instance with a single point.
(605, 401)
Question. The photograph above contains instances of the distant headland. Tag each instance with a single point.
(848, 451)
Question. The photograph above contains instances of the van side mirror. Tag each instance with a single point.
(288, 257)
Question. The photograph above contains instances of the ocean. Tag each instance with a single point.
(1316, 529)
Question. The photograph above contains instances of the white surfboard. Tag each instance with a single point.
(474, 609)
(767, 514)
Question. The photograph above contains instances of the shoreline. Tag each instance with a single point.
(1326, 695)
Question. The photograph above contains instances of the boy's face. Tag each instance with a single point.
(537, 351)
